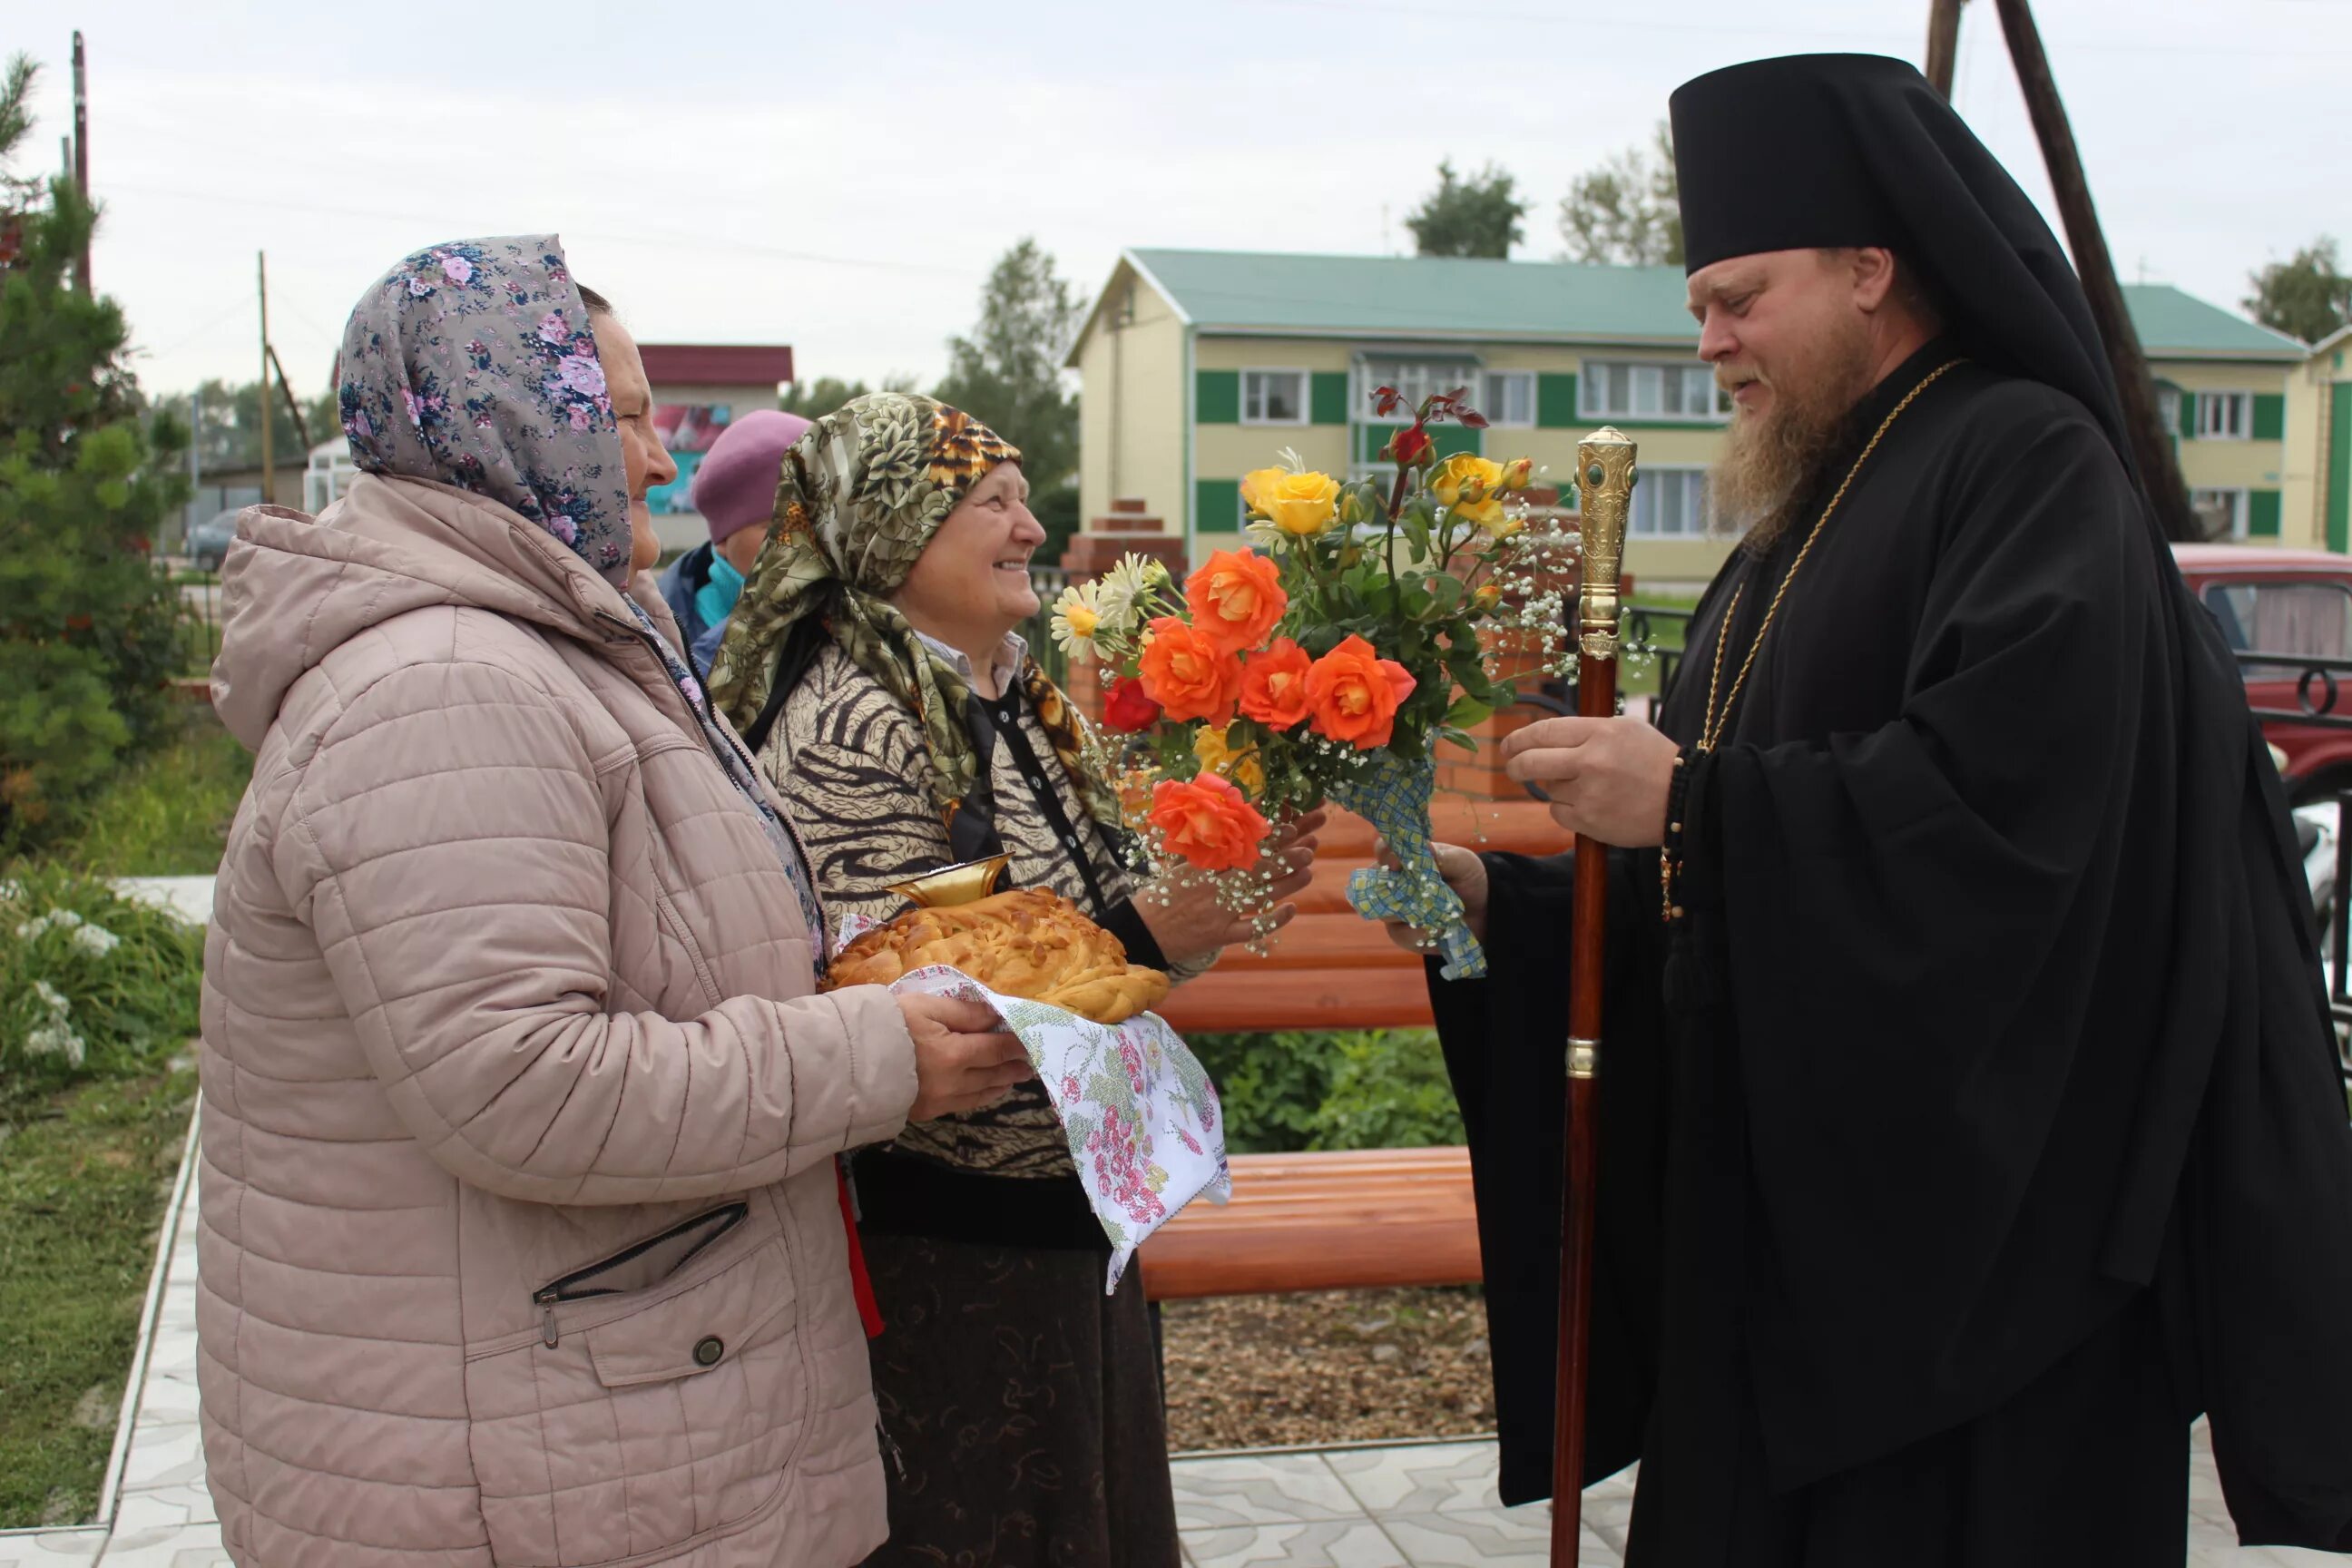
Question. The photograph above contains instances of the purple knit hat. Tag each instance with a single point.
(735, 485)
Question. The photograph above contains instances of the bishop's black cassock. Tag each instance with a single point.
(1979, 1124)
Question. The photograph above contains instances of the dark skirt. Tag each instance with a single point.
(1021, 1409)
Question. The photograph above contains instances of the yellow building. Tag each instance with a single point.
(1199, 366)
(2318, 500)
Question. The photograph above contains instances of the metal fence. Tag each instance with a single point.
(1037, 631)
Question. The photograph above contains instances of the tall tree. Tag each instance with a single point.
(1477, 215)
(89, 625)
(1008, 374)
(1628, 210)
(816, 399)
(2306, 296)
(227, 431)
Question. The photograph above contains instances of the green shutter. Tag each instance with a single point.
(1327, 400)
(1555, 401)
(2262, 514)
(1447, 440)
(1216, 506)
(2187, 414)
(2270, 416)
(1217, 400)
(2339, 468)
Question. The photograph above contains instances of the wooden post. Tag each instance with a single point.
(268, 457)
(2151, 444)
(1943, 44)
(286, 386)
(81, 155)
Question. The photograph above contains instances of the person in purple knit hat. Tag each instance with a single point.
(735, 491)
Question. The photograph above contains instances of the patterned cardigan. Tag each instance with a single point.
(848, 759)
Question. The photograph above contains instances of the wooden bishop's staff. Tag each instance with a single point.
(1604, 483)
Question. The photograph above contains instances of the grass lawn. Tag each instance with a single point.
(1640, 678)
(83, 1182)
(98, 1012)
(168, 814)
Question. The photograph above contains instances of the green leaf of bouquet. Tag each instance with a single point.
(1469, 711)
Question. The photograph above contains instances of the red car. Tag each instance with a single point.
(2295, 602)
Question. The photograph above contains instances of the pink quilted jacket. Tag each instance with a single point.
(521, 1240)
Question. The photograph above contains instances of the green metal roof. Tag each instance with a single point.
(1412, 296)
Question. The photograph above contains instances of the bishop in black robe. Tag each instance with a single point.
(1976, 1124)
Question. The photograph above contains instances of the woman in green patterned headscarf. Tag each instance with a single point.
(873, 665)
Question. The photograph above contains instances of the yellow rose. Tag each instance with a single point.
(1516, 472)
(1470, 487)
(1299, 504)
(1217, 756)
(1257, 488)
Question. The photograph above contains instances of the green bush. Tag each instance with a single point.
(92, 986)
(1367, 1089)
(89, 624)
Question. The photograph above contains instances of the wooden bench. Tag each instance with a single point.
(1323, 1222)
(1333, 1221)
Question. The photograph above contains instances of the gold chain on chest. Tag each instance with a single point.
(1712, 725)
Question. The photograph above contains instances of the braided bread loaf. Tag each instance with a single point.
(1032, 942)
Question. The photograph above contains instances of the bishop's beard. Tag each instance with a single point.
(1772, 463)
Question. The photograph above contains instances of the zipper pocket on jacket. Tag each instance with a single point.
(579, 1284)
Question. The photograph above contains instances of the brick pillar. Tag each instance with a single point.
(1094, 549)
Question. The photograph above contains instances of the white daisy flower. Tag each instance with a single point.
(1078, 615)
(1125, 586)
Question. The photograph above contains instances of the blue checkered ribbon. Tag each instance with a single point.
(1394, 796)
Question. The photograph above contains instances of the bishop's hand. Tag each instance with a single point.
(1606, 778)
(1463, 872)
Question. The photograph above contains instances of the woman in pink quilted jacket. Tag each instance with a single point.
(523, 1236)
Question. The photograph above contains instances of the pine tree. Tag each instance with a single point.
(1008, 375)
(1474, 214)
(89, 625)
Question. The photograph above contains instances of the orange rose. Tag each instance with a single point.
(1274, 685)
(1355, 694)
(1208, 823)
(1186, 672)
(1236, 598)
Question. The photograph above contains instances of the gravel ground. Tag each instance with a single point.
(1329, 1366)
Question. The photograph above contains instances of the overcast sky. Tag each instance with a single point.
(839, 177)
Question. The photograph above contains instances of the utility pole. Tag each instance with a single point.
(81, 154)
(196, 464)
(268, 468)
(2152, 444)
(1943, 44)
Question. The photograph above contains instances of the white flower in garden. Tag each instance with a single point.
(55, 1036)
(55, 1000)
(95, 939)
(1077, 615)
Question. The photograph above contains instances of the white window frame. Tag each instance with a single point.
(1585, 401)
(1494, 418)
(1305, 395)
(1649, 474)
(2167, 407)
(2238, 499)
(1466, 373)
(2208, 427)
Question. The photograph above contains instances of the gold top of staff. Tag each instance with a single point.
(1604, 491)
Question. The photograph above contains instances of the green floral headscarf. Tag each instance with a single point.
(862, 493)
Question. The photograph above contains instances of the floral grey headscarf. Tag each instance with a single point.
(473, 364)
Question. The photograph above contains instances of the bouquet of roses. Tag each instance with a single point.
(1326, 664)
